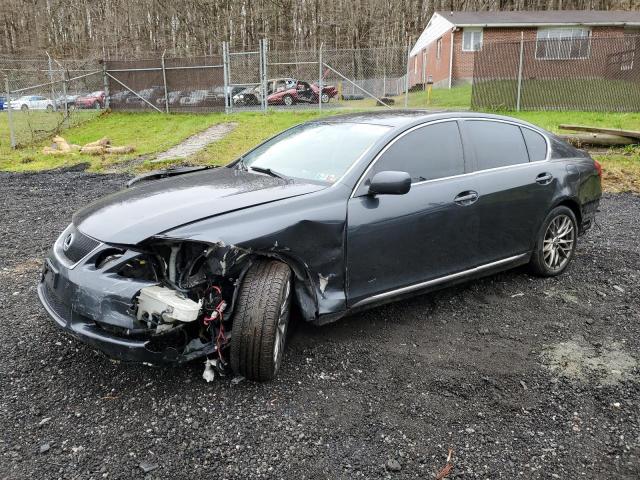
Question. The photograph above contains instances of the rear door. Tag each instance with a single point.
(395, 241)
(515, 183)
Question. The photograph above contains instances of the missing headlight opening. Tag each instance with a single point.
(187, 312)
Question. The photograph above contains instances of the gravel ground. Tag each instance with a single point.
(521, 377)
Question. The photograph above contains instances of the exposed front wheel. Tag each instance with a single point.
(24, 108)
(49, 108)
(261, 320)
(288, 100)
(556, 243)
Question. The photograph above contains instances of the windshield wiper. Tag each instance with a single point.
(268, 171)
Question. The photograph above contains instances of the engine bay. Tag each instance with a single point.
(186, 312)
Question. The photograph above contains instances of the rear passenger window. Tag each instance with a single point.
(427, 153)
(496, 144)
(536, 145)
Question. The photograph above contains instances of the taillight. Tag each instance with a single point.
(598, 168)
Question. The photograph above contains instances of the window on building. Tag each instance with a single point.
(439, 48)
(628, 53)
(568, 43)
(471, 39)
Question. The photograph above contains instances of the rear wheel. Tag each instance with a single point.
(324, 98)
(261, 321)
(49, 108)
(556, 243)
(24, 108)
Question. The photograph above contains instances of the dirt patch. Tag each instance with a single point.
(24, 267)
(607, 363)
(196, 142)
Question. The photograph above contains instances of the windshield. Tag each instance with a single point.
(315, 151)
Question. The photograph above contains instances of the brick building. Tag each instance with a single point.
(444, 53)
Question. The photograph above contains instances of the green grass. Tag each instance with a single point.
(458, 98)
(149, 134)
(557, 94)
(152, 133)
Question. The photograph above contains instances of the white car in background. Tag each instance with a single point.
(32, 102)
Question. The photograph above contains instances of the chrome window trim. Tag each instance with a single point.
(436, 281)
(455, 119)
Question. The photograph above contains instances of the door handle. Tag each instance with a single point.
(544, 178)
(466, 198)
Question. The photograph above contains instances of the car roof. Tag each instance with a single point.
(404, 118)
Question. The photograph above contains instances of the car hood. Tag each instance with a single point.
(135, 214)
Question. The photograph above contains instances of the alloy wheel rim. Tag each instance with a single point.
(281, 327)
(558, 242)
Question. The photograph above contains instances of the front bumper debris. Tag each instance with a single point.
(96, 308)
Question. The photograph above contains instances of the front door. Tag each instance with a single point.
(394, 241)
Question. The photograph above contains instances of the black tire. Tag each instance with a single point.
(49, 108)
(24, 108)
(541, 263)
(260, 321)
(324, 98)
(288, 100)
(96, 106)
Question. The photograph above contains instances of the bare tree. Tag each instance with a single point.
(121, 28)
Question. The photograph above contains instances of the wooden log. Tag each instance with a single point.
(597, 139)
(61, 144)
(103, 142)
(122, 149)
(93, 150)
(610, 131)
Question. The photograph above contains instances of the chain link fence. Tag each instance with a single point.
(589, 74)
(42, 96)
(193, 84)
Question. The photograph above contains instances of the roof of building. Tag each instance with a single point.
(443, 21)
(543, 17)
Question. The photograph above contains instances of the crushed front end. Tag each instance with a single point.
(161, 302)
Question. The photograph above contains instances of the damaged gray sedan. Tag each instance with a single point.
(324, 219)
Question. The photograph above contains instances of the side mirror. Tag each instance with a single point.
(390, 183)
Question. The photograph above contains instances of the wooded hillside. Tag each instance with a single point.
(126, 28)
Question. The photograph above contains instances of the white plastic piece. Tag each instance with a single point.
(209, 373)
(168, 304)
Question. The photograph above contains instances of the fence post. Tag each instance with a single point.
(228, 100)
(105, 85)
(12, 132)
(406, 80)
(53, 93)
(320, 77)
(263, 78)
(64, 97)
(520, 72)
(164, 82)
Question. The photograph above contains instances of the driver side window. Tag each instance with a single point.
(426, 153)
